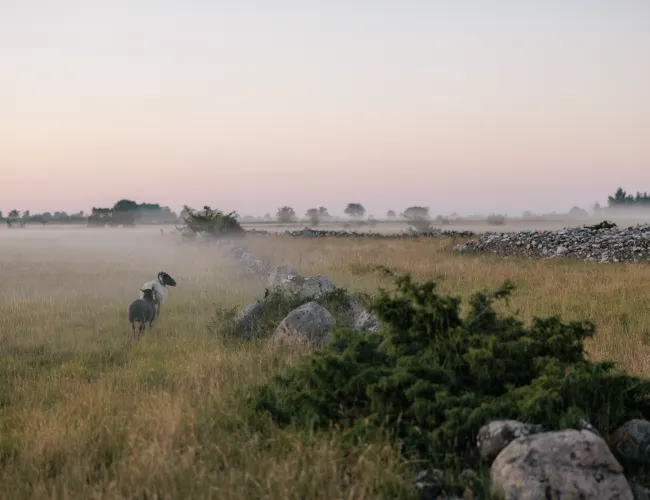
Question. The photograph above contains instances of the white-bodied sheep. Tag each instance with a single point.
(158, 286)
(143, 311)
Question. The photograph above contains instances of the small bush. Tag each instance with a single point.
(601, 225)
(432, 378)
(211, 223)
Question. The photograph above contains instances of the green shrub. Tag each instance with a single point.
(211, 223)
(432, 378)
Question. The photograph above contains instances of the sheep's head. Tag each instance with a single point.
(147, 294)
(166, 279)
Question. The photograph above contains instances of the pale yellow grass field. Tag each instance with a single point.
(86, 413)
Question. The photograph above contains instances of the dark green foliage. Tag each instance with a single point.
(354, 210)
(433, 378)
(622, 198)
(212, 223)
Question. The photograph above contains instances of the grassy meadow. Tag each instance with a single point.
(85, 412)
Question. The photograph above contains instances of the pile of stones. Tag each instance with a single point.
(317, 233)
(606, 244)
(310, 323)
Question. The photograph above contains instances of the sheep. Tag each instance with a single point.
(142, 310)
(158, 287)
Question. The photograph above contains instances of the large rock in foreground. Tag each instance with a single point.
(559, 465)
(309, 324)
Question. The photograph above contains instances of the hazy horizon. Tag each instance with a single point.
(463, 107)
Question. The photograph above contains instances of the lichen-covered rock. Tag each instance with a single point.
(631, 441)
(362, 320)
(310, 323)
(314, 287)
(366, 322)
(558, 465)
(282, 276)
(492, 438)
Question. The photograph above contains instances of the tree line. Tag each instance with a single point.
(129, 213)
(621, 198)
(124, 212)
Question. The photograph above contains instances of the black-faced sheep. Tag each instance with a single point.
(158, 286)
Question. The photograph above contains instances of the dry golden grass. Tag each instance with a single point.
(86, 413)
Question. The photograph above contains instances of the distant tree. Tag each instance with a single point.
(355, 210)
(391, 214)
(578, 213)
(125, 212)
(13, 214)
(1, 217)
(99, 217)
(286, 214)
(596, 208)
(418, 217)
(313, 215)
(323, 213)
(496, 219)
(186, 210)
(622, 198)
(26, 215)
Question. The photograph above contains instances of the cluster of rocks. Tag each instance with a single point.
(310, 323)
(318, 233)
(529, 463)
(589, 244)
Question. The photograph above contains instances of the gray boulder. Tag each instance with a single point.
(310, 323)
(246, 319)
(558, 465)
(492, 438)
(631, 441)
(314, 287)
(362, 320)
(284, 277)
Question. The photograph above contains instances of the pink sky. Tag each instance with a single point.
(247, 107)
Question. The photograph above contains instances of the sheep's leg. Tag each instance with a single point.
(133, 328)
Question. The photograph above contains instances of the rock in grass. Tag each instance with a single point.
(284, 277)
(247, 318)
(362, 320)
(631, 441)
(310, 323)
(558, 465)
(492, 438)
(314, 287)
